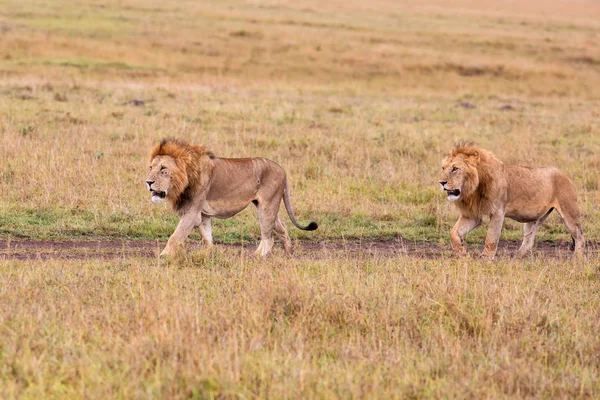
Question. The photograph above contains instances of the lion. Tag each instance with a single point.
(200, 186)
(481, 185)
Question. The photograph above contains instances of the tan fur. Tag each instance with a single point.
(200, 186)
(489, 188)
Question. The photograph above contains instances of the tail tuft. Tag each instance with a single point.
(286, 200)
(312, 226)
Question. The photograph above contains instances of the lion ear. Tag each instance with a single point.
(475, 157)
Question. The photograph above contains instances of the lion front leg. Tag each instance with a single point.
(457, 235)
(493, 235)
(206, 232)
(184, 228)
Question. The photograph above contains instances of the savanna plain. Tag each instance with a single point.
(359, 102)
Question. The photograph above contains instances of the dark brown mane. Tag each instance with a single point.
(190, 160)
(478, 198)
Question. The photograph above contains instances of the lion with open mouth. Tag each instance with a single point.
(201, 186)
(480, 186)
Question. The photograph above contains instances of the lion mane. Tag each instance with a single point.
(483, 172)
(191, 160)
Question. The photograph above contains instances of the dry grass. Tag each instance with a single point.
(358, 101)
(228, 327)
(361, 165)
(423, 45)
(332, 94)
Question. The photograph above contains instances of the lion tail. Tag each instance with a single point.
(286, 200)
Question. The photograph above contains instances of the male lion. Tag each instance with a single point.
(481, 185)
(200, 186)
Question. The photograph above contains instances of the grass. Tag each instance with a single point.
(368, 168)
(224, 326)
(358, 102)
(86, 63)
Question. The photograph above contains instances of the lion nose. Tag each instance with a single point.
(443, 183)
(150, 183)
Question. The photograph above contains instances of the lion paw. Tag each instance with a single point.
(487, 256)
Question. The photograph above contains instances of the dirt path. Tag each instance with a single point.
(112, 249)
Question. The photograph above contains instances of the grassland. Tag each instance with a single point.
(359, 101)
(359, 106)
(223, 326)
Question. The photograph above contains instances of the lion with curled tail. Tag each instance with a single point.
(201, 186)
(480, 186)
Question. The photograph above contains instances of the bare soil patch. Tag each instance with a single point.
(353, 248)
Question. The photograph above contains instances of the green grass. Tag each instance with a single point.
(85, 63)
(81, 224)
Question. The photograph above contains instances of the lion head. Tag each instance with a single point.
(459, 176)
(468, 175)
(175, 170)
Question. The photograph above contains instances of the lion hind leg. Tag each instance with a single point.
(566, 199)
(266, 218)
(283, 236)
(572, 220)
(265, 246)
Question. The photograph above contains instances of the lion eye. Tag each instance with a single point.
(162, 168)
(454, 169)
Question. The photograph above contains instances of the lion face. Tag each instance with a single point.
(458, 177)
(160, 177)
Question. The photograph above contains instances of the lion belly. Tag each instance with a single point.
(236, 183)
(222, 210)
(531, 192)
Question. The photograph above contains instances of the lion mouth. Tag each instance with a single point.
(158, 196)
(453, 194)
